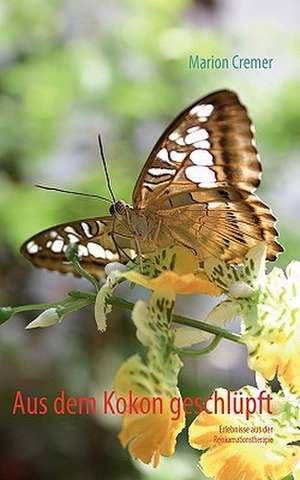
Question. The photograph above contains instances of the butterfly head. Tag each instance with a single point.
(118, 208)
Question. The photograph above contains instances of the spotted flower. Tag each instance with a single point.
(171, 272)
(273, 337)
(270, 309)
(102, 306)
(240, 284)
(150, 436)
(258, 448)
(176, 270)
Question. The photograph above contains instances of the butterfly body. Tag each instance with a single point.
(145, 226)
(196, 189)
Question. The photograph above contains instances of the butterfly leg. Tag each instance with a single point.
(157, 231)
(139, 253)
(119, 250)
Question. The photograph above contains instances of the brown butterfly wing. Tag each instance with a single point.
(214, 137)
(93, 236)
(200, 177)
(225, 226)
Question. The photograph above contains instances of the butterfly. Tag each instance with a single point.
(196, 189)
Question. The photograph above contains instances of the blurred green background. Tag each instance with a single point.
(70, 69)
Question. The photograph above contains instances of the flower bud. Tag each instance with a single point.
(46, 319)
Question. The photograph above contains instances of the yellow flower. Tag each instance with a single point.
(270, 308)
(152, 434)
(171, 272)
(168, 274)
(273, 339)
(174, 270)
(257, 453)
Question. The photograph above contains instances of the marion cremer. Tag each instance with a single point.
(237, 403)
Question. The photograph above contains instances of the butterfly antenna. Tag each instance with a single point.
(105, 168)
(55, 189)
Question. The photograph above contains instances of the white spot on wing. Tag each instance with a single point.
(174, 135)
(73, 238)
(203, 144)
(202, 110)
(86, 229)
(100, 225)
(200, 174)
(156, 172)
(201, 157)
(193, 129)
(109, 255)
(163, 155)
(198, 136)
(96, 250)
(177, 156)
(53, 234)
(32, 248)
(207, 185)
(57, 246)
(82, 251)
(69, 229)
(180, 141)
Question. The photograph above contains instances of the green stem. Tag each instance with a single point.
(206, 327)
(75, 307)
(72, 256)
(39, 306)
(85, 274)
(194, 353)
(75, 295)
(74, 304)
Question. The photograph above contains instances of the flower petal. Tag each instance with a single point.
(139, 315)
(178, 284)
(102, 308)
(152, 434)
(188, 336)
(252, 272)
(255, 262)
(223, 313)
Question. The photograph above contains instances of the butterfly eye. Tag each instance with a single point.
(112, 209)
(117, 207)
